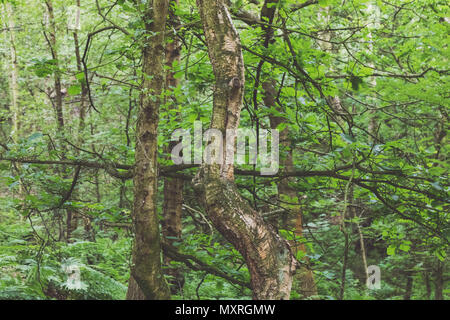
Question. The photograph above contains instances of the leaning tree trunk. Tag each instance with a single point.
(146, 269)
(268, 257)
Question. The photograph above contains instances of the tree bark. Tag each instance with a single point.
(409, 286)
(15, 108)
(146, 269)
(292, 220)
(426, 279)
(73, 216)
(439, 281)
(171, 227)
(173, 187)
(268, 257)
(14, 72)
(134, 292)
(58, 103)
(57, 74)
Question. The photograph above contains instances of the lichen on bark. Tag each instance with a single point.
(146, 269)
(268, 257)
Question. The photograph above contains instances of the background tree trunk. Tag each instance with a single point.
(409, 286)
(15, 108)
(173, 187)
(51, 39)
(292, 219)
(14, 72)
(439, 281)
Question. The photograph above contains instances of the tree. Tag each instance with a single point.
(146, 269)
(14, 73)
(268, 257)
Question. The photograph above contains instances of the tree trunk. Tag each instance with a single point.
(293, 218)
(73, 217)
(146, 269)
(58, 104)
(134, 292)
(409, 286)
(363, 249)
(426, 279)
(439, 281)
(14, 73)
(171, 227)
(304, 278)
(268, 257)
(57, 74)
(173, 187)
(15, 108)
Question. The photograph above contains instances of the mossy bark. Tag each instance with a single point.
(146, 269)
(173, 187)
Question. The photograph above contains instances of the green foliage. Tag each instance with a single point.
(31, 270)
(361, 93)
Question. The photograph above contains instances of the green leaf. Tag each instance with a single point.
(80, 77)
(282, 126)
(391, 250)
(404, 247)
(324, 3)
(74, 90)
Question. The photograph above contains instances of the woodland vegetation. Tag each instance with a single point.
(91, 91)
